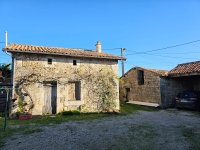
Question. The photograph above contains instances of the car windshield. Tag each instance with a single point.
(185, 95)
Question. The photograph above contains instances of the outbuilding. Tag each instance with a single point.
(146, 86)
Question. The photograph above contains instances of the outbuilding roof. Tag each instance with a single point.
(157, 71)
(191, 68)
(22, 48)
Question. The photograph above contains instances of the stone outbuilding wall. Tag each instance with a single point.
(141, 84)
(149, 91)
(68, 83)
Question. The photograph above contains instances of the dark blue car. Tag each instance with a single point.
(188, 99)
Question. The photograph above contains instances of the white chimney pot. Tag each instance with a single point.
(98, 47)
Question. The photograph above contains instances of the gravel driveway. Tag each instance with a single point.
(164, 129)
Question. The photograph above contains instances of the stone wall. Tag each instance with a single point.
(148, 92)
(32, 70)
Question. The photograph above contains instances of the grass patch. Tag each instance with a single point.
(192, 137)
(197, 113)
(2, 114)
(32, 131)
(137, 137)
(188, 133)
(71, 112)
(134, 127)
(130, 108)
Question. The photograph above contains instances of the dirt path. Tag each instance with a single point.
(165, 129)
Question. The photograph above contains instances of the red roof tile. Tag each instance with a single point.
(59, 51)
(186, 68)
(160, 72)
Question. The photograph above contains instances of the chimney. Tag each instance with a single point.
(98, 47)
(6, 38)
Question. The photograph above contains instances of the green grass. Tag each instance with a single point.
(192, 136)
(67, 113)
(131, 108)
(31, 131)
(25, 127)
(197, 113)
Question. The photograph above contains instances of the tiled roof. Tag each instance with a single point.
(186, 68)
(159, 72)
(59, 51)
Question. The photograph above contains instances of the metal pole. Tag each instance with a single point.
(7, 91)
(122, 54)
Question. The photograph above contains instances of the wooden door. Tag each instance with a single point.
(50, 95)
(127, 94)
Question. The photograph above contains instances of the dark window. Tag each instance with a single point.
(140, 77)
(74, 62)
(49, 61)
(77, 90)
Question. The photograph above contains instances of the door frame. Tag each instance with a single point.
(53, 96)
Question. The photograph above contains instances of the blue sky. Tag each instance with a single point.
(138, 25)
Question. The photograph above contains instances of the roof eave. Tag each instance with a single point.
(184, 74)
(159, 74)
(70, 55)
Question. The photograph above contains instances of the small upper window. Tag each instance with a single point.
(49, 61)
(74, 62)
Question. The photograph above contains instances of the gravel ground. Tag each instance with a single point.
(164, 129)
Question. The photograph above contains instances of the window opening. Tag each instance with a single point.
(74, 91)
(49, 61)
(74, 62)
(140, 77)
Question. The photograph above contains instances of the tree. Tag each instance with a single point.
(5, 69)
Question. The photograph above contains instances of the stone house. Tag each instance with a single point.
(50, 80)
(145, 85)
